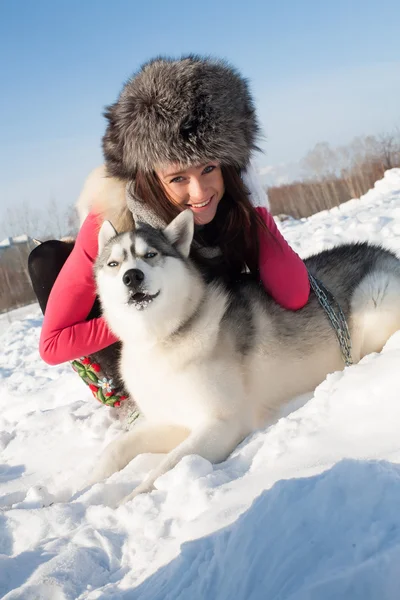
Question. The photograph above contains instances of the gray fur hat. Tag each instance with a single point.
(187, 111)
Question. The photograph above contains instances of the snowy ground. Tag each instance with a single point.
(305, 510)
(15, 315)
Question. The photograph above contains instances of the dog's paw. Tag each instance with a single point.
(142, 488)
(102, 471)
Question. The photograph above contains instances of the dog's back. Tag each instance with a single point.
(288, 353)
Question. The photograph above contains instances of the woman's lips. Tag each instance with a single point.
(201, 205)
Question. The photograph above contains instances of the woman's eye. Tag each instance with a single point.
(150, 255)
(178, 179)
(209, 169)
(112, 263)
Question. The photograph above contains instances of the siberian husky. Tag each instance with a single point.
(207, 365)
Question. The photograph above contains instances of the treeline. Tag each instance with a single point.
(46, 222)
(16, 289)
(42, 223)
(335, 175)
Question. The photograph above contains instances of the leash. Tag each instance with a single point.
(335, 315)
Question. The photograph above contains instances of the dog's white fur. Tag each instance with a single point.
(196, 395)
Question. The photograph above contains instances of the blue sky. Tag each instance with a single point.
(319, 71)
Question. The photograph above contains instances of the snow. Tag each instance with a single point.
(15, 315)
(305, 510)
(18, 239)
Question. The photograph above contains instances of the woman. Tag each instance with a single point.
(180, 136)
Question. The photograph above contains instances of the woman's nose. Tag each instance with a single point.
(197, 189)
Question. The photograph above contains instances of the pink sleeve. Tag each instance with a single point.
(66, 334)
(282, 271)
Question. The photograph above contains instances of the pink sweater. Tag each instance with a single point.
(66, 335)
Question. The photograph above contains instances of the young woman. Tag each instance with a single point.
(180, 136)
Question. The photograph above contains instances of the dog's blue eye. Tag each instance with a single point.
(150, 254)
(113, 263)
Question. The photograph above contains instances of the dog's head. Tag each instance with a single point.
(146, 272)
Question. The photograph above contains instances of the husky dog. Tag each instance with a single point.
(207, 365)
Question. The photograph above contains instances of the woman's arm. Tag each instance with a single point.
(66, 334)
(282, 271)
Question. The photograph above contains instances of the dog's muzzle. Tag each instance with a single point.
(138, 296)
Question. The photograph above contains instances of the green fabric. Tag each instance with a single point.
(101, 387)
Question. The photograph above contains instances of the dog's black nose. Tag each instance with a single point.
(133, 278)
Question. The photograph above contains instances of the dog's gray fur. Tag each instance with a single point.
(187, 111)
(207, 365)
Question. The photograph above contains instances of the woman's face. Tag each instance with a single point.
(199, 188)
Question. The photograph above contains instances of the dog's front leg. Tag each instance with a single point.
(213, 441)
(144, 437)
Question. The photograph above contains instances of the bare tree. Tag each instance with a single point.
(72, 221)
(388, 149)
(23, 218)
(55, 222)
(320, 162)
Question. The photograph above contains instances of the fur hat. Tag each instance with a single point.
(187, 111)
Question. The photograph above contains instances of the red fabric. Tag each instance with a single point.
(66, 335)
(282, 271)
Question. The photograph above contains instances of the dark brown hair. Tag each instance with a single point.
(234, 228)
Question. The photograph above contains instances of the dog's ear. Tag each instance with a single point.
(180, 232)
(106, 232)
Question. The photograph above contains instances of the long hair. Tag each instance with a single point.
(234, 228)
